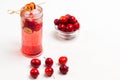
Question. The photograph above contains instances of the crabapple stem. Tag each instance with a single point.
(44, 57)
(53, 77)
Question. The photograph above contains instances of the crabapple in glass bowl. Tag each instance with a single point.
(67, 27)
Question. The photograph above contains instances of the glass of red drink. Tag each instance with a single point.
(31, 22)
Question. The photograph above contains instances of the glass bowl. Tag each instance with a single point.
(66, 35)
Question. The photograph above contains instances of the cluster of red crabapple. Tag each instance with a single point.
(67, 23)
(35, 63)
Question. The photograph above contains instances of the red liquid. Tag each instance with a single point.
(32, 43)
(31, 31)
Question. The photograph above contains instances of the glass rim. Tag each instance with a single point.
(39, 14)
(73, 32)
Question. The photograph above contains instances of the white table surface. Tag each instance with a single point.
(93, 55)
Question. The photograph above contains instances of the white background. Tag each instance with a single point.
(93, 55)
